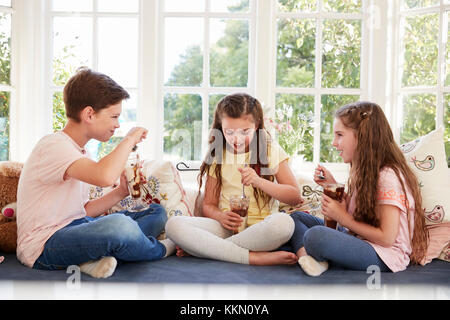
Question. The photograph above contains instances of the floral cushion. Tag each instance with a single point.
(311, 193)
(163, 187)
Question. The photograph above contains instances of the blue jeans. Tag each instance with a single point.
(127, 236)
(335, 246)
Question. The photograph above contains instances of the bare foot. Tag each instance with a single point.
(272, 258)
(182, 253)
(301, 252)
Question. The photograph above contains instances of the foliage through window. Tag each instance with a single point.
(73, 46)
(199, 70)
(5, 81)
(303, 77)
(424, 85)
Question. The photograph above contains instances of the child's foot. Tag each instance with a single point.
(311, 266)
(170, 246)
(182, 253)
(272, 258)
(102, 268)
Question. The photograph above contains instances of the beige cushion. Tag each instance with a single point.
(426, 157)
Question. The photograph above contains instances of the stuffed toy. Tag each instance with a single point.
(9, 180)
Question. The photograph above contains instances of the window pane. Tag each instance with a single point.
(230, 5)
(99, 150)
(346, 6)
(4, 125)
(118, 49)
(341, 54)
(421, 50)
(419, 116)
(229, 52)
(118, 5)
(292, 124)
(72, 47)
(59, 112)
(296, 53)
(447, 127)
(410, 4)
(183, 52)
(330, 103)
(5, 49)
(128, 117)
(69, 5)
(184, 6)
(6, 3)
(297, 5)
(213, 101)
(182, 126)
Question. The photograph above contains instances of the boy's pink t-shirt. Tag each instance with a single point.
(390, 192)
(45, 201)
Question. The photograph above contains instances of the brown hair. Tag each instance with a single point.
(90, 88)
(236, 106)
(377, 149)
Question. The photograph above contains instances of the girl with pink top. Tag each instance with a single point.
(381, 218)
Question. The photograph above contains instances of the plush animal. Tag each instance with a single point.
(9, 180)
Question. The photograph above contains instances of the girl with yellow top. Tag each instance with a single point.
(240, 153)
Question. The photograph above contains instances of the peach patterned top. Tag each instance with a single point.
(390, 192)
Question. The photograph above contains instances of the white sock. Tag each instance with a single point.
(170, 246)
(311, 266)
(102, 268)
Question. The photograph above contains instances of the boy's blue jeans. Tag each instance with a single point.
(335, 246)
(127, 236)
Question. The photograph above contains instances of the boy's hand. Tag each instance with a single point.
(123, 186)
(137, 135)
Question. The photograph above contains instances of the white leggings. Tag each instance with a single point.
(206, 238)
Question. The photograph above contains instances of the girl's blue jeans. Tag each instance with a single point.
(335, 246)
(127, 236)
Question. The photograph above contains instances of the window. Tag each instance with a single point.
(424, 82)
(178, 58)
(207, 55)
(104, 36)
(5, 77)
(318, 66)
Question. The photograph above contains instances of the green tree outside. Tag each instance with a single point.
(5, 79)
(295, 68)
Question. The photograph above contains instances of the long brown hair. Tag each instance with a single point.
(377, 149)
(235, 106)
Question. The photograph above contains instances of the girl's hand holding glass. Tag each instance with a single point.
(334, 209)
(230, 220)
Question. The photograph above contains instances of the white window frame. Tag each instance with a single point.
(269, 10)
(95, 15)
(439, 89)
(396, 90)
(157, 122)
(31, 100)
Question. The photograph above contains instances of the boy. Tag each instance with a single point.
(57, 225)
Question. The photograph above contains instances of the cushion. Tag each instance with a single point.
(163, 187)
(439, 246)
(311, 192)
(426, 157)
(445, 254)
